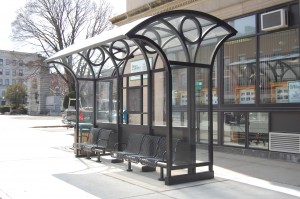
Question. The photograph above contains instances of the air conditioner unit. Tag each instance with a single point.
(274, 20)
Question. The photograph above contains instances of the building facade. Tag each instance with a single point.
(256, 84)
(29, 70)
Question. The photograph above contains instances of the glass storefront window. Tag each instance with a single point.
(234, 128)
(240, 71)
(279, 68)
(258, 136)
(244, 26)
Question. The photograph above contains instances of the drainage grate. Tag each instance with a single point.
(284, 142)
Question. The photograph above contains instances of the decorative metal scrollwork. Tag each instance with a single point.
(188, 34)
(95, 56)
(119, 49)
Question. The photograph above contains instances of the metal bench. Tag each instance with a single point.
(148, 148)
(159, 160)
(106, 141)
(91, 139)
(133, 146)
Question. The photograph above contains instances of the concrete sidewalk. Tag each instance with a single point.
(38, 163)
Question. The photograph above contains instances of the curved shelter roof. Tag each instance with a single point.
(178, 30)
(180, 39)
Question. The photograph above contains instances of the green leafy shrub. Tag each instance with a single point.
(4, 109)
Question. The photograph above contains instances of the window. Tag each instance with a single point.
(6, 82)
(1, 71)
(235, 128)
(7, 61)
(14, 62)
(1, 81)
(13, 81)
(20, 72)
(7, 72)
(1, 62)
(240, 71)
(279, 67)
(258, 136)
(14, 72)
(244, 26)
(244, 129)
(21, 63)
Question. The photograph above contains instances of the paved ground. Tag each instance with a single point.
(37, 163)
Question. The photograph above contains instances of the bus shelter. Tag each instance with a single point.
(148, 77)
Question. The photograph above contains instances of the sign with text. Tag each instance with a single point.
(294, 91)
(139, 66)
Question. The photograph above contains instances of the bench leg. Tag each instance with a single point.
(98, 157)
(161, 176)
(129, 166)
(88, 155)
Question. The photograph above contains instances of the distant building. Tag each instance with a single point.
(26, 69)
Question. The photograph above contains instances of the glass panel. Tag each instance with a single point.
(234, 128)
(159, 99)
(80, 67)
(86, 93)
(258, 130)
(179, 97)
(244, 26)
(108, 69)
(158, 64)
(107, 101)
(125, 113)
(145, 100)
(201, 85)
(239, 71)
(145, 119)
(135, 80)
(202, 127)
(134, 119)
(279, 68)
(204, 53)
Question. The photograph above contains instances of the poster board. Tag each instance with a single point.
(139, 66)
(294, 91)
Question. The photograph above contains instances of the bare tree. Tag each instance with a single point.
(52, 25)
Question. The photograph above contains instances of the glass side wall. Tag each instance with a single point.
(179, 97)
(201, 86)
(86, 93)
(106, 96)
(159, 99)
(202, 127)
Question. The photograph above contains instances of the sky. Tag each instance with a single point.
(8, 15)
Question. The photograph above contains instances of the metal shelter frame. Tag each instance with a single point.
(174, 40)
